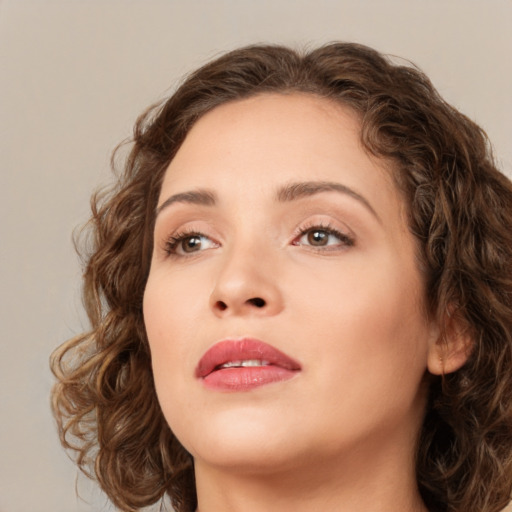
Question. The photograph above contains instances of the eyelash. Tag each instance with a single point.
(173, 242)
(345, 239)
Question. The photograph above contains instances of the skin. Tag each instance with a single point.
(341, 434)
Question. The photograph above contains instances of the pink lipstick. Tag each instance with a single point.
(244, 364)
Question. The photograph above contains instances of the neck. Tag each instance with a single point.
(372, 479)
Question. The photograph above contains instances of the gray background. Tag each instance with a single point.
(73, 77)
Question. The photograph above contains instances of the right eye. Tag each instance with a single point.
(183, 244)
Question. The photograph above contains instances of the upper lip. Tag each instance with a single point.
(240, 350)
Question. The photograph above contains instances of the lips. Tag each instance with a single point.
(241, 365)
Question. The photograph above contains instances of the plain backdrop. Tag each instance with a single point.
(74, 75)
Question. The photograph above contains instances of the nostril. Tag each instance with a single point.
(259, 303)
(221, 305)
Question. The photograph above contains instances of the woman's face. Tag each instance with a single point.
(284, 305)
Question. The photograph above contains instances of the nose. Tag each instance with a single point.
(247, 285)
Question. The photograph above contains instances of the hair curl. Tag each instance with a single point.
(460, 210)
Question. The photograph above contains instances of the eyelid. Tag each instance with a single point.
(346, 236)
(172, 244)
(172, 238)
(168, 243)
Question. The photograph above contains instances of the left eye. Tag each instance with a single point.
(322, 237)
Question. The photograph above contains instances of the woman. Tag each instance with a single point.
(300, 293)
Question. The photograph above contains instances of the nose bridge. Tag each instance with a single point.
(247, 280)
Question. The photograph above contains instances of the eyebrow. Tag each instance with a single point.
(290, 192)
(199, 197)
(295, 191)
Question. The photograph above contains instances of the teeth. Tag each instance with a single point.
(245, 363)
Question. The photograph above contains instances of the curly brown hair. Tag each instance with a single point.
(460, 211)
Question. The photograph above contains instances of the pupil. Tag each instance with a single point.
(317, 237)
(192, 244)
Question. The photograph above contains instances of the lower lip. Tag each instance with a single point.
(245, 379)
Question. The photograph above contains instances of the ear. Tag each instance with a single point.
(450, 350)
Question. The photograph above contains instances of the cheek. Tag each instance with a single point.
(366, 319)
(175, 307)
(370, 346)
(162, 309)
(170, 306)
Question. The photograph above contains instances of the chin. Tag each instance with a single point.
(246, 439)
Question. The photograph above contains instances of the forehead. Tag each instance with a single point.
(272, 139)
